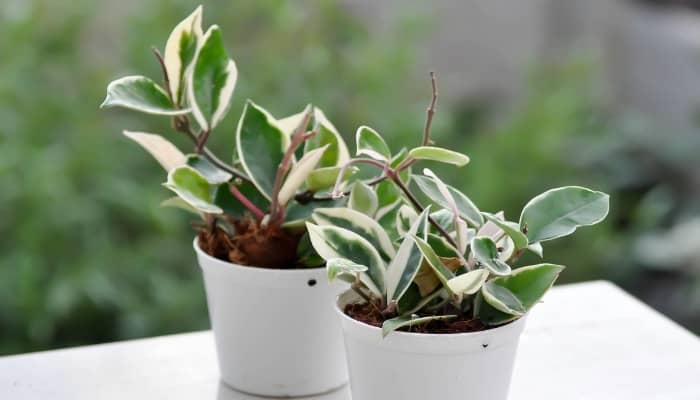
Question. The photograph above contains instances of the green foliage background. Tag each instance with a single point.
(88, 256)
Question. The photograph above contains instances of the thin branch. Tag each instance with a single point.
(336, 193)
(431, 110)
(247, 203)
(166, 79)
(201, 141)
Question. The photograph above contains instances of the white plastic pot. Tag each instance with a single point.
(416, 366)
(276, 332)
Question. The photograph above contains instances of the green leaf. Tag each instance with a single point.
(140, 94)
(459, 226)
(337, 154)
(371, 144)
(387, 219)
(177, 202)
(468, 283)
(405, 265)
(333, 242)
(337, 266)
(406, 216)
(307, 256)
(528, 284)
(388, 195)
(232, 206)
(510, 228)
(558, 212)
(502, 299)
(296, 214)
(441, 247)
(324, 178)
(467, 209)
(536, 248)
(298, 174)
(167, 155)
(485, 251)
(363, 199)
(211, 172)
(393, 324)
(260, 144)
(212, 80)
(359, 223)
(443, 273)
(399, 158)
(193, 188)
(180, 50)
(439, 154)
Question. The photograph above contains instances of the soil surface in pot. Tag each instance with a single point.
(370, 315)
(252, 244)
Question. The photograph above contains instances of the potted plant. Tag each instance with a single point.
(436, 305)
(270, 305)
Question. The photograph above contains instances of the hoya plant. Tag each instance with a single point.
(443, 266)
(252, 209)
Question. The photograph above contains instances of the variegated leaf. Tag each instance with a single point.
(467, 209)
(439, 154)
(211, 172)
(140, 94)
(337, 154)
(337, 266)
(363, 199)
(193, 188)
(291, 123)
(298, 174)
(510, 228)
(502, 299)
(371, 144)
(468, 283)
(405, 265)
(167, 155)
(393, 324)
(180, 50)
(325, 178)
(405, 218)
(443, 273)
(485, 252)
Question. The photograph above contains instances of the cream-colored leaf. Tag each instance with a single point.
(297, 176)
(192, 25)
(167, 155)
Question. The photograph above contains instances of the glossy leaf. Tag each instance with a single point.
(388, 195)
(427, 280)
(467, 209)
(232, 206)
(140, 94)
(337, 266)
(289, 124)
(260, 144)
(324, 178)
(212, 80)
(371, 144)
(359, 223)
(211, 172)
(536, 248)
(298, 174)
(468, 283)
(177, 202)
(363, 199)
(333, 242)
(393, 324)
(405, 218)
(180, 50)
(193, 188)
(558, 212)
(502, 299)
(167, 155)
(443, 273)
(337, 154)
(485, 251)
(405, 265)
(510, 228)
(297, 214)
(439, 154)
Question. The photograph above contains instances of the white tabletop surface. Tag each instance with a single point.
(587, 341)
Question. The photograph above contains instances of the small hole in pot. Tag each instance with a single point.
(484, 345)
(311, 282)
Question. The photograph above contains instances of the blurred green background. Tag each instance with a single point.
(87, 255)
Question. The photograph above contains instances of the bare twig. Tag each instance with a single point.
(201, 141)
(166, 79)
(431, 110)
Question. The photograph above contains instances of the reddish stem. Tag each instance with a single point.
(246, 203)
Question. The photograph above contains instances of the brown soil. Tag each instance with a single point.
(252, 244)
(370, 315)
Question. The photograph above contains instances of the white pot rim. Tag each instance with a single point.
(260, 276)
(416, 342)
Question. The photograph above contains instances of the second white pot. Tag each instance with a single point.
(415, 366)
(276, 332)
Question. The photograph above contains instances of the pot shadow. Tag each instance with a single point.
(227, 393)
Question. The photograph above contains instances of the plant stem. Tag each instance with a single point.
(430, 112)
(336, 193)
(202, 140)
(166, 79)
(247, 203)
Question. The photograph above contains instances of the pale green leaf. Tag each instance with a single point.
(393, 324)
(405, 218)
(177, 202)
(363, 199)
(325, 178)
(337, 266)
(140, 94)
(510, 228)
(211, 172)
(193, 188)
(337, 154)
(298, 174)
(485, 252)
(439, 154)
(558, 212)
(167, 155)
(261, 145)
(443, 273)
(405, 265)
(468, 283)
(467, 209)
(212, 80)
(180, 50)
(371, 144)
(502, 299)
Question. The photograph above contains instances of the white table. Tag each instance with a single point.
(587, 341)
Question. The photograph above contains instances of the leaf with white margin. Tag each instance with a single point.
(177, 202)
(504, 242)
(558, 212)
(536, 248)
(359, 223)
(439, 154)
(193, 188)
(460, 227)
(211, 172)
(167, 155)
(510, 228)
(371, 144)
(298, 174)
(405, 218)
(325, 178)
(140, 94)
(363, 199)
(529, 284)
(180, 50)
(405, 265)
(333, 242)
(468, 283)
(212, 80)
(467, 210)
(442, 272)
(291, 123)
(393, 324)
(485, 251)
(337, 266)
(337, 154)
(502, 299)
(260, 145)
